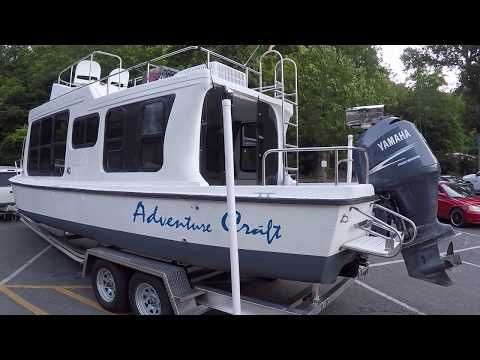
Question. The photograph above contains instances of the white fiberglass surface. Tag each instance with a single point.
(317, 191)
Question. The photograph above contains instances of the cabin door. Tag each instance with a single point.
(254, 132)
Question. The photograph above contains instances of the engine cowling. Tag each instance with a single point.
(405, 173)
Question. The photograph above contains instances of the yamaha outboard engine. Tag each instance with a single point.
(405, 174)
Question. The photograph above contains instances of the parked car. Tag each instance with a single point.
(457, 180)
(473, 179)
(457, 204)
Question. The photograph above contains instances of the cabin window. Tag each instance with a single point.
(248, 148)
(134, 135)
(85, 131)
(114, 134)
(48, 137)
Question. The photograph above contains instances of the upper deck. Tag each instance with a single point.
(83, 81)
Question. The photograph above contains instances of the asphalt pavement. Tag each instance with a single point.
(37, 279)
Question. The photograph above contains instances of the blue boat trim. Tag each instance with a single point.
(307, 268)
(244, 199)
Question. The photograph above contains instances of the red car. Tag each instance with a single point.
(457, 205)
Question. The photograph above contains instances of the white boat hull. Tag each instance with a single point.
(278, 237)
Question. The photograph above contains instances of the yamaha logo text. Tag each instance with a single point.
(394, 139)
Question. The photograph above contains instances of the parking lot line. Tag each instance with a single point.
(16, 286)
(468, 233)
(471, 264)
(24, 266)
(79, 298)
(388, 297)
(442, 254)
(22, 302)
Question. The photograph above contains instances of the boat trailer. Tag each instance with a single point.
(193, 290)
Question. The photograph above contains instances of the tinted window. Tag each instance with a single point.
(134, 135)
(35, 134)
(85, 131)
(46, 131)
(4, 176)
(115, 123)
(153, 118)
(248, 149)
(46, 153)
(61, 127)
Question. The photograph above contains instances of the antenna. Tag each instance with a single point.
(253, 53)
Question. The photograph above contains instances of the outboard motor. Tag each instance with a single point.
(405, 174)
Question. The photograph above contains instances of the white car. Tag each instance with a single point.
(6, 193)
(473, 179)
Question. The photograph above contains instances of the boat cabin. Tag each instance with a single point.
(160, 125)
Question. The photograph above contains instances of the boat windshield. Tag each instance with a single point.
(456, 191)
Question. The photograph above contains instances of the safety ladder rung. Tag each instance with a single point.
(291, 168)
(290, 123)
(290, 146)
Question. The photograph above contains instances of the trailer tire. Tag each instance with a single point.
(148, 295)
(113, 295)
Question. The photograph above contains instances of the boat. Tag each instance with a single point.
(136, 160)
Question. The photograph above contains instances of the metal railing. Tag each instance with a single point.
(389, 243)
(151, 63)
(90, 56)
(336, 149)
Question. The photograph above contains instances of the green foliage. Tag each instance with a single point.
(438, 115)
(11, 145)
(331, 79)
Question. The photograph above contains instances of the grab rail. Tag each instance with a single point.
(381, 224)
(317, 149)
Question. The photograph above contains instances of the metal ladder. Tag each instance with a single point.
(279, 92)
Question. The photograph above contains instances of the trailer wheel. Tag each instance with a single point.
(148, 295)
(110, 285)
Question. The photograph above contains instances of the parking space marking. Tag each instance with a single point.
(471, 264)
(467, 233)
(388, 297)
(442, 254)
(22, 302)
(15, 286)
(386, 263)
(24, 266)
(79, 298)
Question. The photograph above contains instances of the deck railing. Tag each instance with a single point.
(147, 65)
(334, 149)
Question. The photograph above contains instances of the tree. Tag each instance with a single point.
(11, 146)
(438, 115)
(464, 58)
